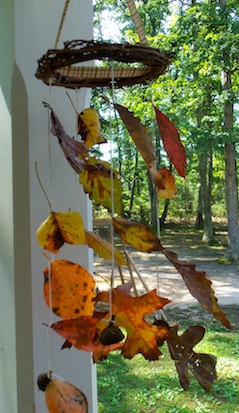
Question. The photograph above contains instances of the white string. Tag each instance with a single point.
(112, 195)
(52, 256)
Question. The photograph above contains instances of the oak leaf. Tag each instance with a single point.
(61, 227)
(89, 127)
(138, 133)
(73, 150)
(104, 248)
(69, 289)
(171, 141)
(198, 285)
(98, 179)
(62, 396)
(181, 350)
(165, 182)
(83, 333)
(129, 312)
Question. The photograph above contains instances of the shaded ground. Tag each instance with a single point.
(158, 272)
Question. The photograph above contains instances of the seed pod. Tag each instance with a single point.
(111, 335)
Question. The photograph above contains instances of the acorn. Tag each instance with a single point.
(43, 380)
(111, 335)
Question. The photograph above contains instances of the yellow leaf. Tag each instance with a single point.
(61, 227)
(96, 179)
(103, 248)
(89, 127)
(136, 234)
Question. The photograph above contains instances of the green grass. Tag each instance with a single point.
(138, 385)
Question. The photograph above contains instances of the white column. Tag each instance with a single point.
(27, 349)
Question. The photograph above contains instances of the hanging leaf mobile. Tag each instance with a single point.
(73, 296)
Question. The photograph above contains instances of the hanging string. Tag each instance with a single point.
(137, 22)
(61, 23)
(112, 195)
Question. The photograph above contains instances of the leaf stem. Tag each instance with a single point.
(42, 187)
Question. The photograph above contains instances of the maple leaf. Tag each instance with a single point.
(165, 182)
(136, 234)
(103, 248)
(129, 312)
(89, 127)
(62, 396)
(143, 239)
(69, 289)
(171, 141)
(71, 148)
(138, 133)
(83, 333)
(181, 350)
(96, 179)
(61, 227)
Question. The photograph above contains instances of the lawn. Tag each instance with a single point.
(138, 385)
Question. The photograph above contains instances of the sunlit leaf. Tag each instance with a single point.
(89, 127)
(61, 227)
(165, 182)
(138, 133)
(104, 248)
(69, 289)
(171, 141)
(97, 180)
(62, 396)
(138, 235)
(129, 312)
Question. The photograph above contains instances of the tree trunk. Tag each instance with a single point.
(231, 174)
(208, 236)
(199, 218)
(232, 202)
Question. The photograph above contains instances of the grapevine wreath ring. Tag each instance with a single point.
(58, 67)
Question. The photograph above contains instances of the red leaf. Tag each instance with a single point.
(171, 141)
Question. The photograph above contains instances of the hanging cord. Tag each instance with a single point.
(112, 198)
(61, 22)
(137, 22)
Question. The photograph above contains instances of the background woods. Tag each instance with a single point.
(199, 93)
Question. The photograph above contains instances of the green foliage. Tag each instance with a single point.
(154, 386)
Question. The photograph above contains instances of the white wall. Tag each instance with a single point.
(35, 28)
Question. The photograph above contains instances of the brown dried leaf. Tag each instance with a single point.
(138, 133)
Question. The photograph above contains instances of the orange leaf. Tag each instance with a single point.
(103, 248)
(171, 141)
(89, 127)
(69, 289)
(138, 133)
(96, 181)
(129, 312)
(61, 227)
(83, 334)
(164, 177)
(62, 396)
(138, 235)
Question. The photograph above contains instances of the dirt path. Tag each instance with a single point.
(158, 272)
